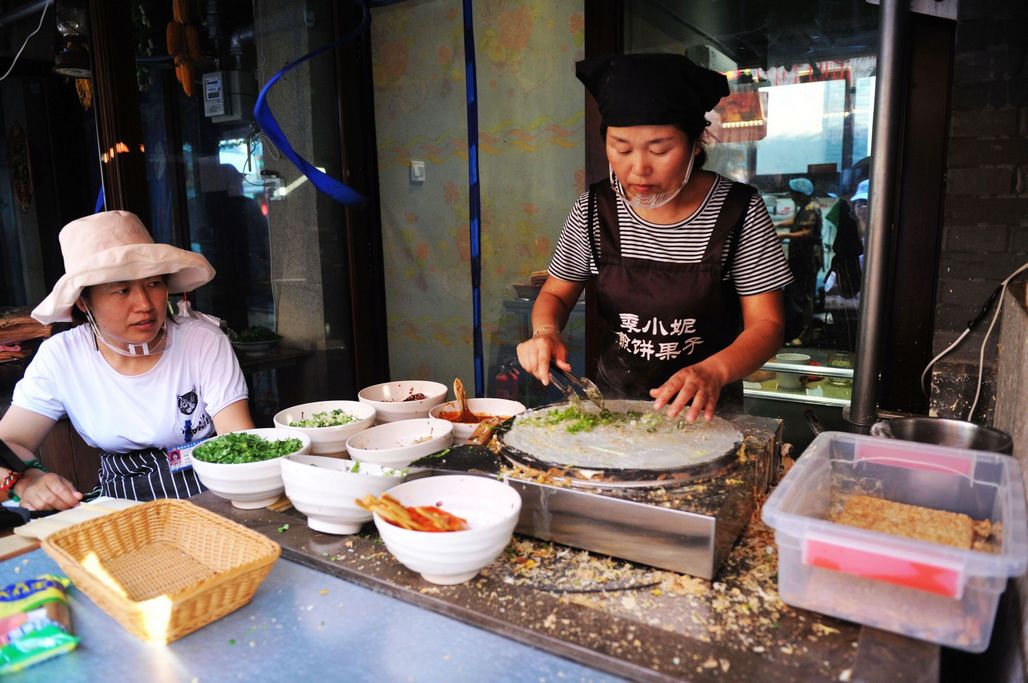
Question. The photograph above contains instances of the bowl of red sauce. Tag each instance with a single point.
(482, 408)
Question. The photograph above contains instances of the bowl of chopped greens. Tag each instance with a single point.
(398, 444)
(403, 400)
(254, 341)
(245, 467)
(328, 424)
(325, 489)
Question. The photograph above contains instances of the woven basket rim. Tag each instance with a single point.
(269, 550)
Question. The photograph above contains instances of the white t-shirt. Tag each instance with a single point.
(169, 405)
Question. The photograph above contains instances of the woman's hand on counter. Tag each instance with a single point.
(700, 383)
(40, 490)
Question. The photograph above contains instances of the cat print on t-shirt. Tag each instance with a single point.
(187, 403)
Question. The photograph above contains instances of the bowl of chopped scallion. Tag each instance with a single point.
(245, 467)
(328, 424)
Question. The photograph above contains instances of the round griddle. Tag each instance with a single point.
(705, 465)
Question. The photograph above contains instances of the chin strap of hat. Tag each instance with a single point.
(262, 114)
(474, 198)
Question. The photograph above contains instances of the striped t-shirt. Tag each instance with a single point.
(759, 265)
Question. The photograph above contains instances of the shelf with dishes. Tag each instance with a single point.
(817, 376)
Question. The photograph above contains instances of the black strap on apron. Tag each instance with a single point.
(727, 229)
(145, 475)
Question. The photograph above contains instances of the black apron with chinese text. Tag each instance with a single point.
(661, 317)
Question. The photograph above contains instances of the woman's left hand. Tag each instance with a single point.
(698, 383)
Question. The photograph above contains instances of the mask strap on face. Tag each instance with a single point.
(130, 350)
(657, 200)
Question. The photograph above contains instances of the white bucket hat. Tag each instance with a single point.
(114, 246)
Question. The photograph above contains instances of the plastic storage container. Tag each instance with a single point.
(916, 588)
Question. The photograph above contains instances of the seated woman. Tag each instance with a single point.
(134, 382)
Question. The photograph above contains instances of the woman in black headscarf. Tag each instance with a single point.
(688, 268)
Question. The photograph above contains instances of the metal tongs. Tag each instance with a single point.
(570, 386)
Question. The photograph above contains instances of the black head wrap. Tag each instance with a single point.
(651, 89)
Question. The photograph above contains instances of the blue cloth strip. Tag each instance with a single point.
(262, 114)
(474, 200)
(99, 200)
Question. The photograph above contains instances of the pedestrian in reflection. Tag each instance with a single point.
(844, 273)
(802, 230)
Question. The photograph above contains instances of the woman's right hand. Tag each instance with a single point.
(40, 490)
(536, 353)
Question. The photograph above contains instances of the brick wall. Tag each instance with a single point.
(985, 230)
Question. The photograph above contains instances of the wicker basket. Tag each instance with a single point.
(165, 568)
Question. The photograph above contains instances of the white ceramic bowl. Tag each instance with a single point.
(324, 489)
(389, 399)
(483, 407)
(398, 444)
(250, 485)
(490, 507)
(791, 380)
(328, 440)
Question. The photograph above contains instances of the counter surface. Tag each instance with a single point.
(301, 623)
(315, 615)
(625, 619)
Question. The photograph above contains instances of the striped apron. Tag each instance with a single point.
(145, 475)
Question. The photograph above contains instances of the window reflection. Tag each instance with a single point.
(205, 163)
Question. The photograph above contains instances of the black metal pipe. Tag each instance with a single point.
(893, 23)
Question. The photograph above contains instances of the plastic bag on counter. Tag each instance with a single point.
(35, 622)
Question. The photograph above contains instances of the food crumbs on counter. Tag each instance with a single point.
(711, 663)
(282, 529)
(844, 676)
(323, 591)
(823, 630)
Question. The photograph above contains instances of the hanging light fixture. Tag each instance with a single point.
(72, 59)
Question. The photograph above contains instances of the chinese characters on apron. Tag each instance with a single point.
(661, 317)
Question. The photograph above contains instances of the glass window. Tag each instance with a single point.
(204, 159)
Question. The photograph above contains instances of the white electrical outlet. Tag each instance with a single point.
(417, 171)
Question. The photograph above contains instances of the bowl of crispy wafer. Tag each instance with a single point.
(446, 528)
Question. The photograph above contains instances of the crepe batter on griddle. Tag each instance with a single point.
(653, 443)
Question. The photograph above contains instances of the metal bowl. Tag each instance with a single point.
(945, 432)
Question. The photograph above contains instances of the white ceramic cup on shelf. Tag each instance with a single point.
(791, 380)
